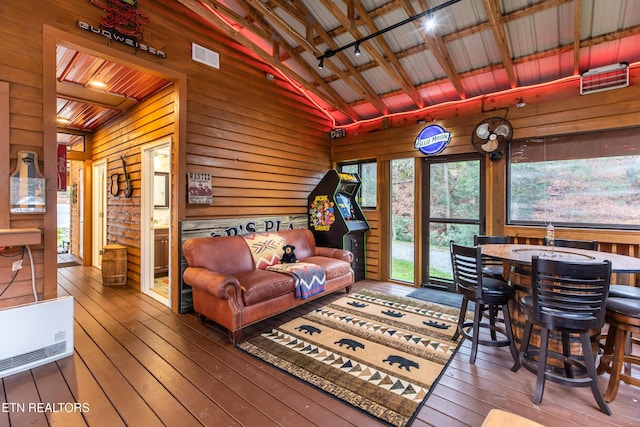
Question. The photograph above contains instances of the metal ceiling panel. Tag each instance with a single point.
(476, 49)
(88, 108)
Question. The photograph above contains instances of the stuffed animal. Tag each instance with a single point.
(289, 257)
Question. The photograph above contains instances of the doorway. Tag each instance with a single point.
(99, 229)
(156, 220)
(454, 209)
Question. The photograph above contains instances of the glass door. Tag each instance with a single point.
(454, 210)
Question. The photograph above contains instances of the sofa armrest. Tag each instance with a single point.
(216, 284)
(340, 254)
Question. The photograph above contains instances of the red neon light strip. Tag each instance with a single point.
(238, 27)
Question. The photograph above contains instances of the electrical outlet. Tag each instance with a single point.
(17, 265)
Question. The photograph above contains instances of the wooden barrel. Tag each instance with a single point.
(114, 265)
(520, 278)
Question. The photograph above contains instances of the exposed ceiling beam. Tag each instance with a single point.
(208, 17)
(437, 47)
(258, 17)
(368, 90)
(577, 19)
(389, 62)
(497, 26)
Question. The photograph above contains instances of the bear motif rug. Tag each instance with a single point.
(379, 353)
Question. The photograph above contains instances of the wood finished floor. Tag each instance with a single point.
(138, 364)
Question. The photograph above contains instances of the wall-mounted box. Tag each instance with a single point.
(20, 236)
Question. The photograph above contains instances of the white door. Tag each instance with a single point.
(81, 211)
(99, 211)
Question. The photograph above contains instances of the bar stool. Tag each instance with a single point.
(568, 298)
(625, 291)
(623, 316)
(488, 295)
(491, 267)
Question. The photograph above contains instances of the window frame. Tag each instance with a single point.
(359, 164)
(555, 139)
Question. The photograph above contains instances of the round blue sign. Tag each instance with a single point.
(432, 139)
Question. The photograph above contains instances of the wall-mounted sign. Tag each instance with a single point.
(432, 140)
(27, 185)
(199, 189)
(123, 23)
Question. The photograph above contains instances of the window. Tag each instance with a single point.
(367, 171)
(586, 180)
(402, 231)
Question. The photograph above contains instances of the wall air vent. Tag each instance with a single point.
(604, 78)
(205, 56)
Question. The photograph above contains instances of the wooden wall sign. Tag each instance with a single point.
(27, 185)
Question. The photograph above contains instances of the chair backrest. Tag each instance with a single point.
(487, 240)
(572, 294)
(576, 244)
(466, 263)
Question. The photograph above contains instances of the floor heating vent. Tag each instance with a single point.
(34, 334)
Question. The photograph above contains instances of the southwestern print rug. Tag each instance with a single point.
(379, 353)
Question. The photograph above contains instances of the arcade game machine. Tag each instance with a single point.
(335, 217)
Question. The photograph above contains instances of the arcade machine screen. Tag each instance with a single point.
(345, 206)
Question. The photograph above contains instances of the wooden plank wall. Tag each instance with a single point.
(151, 120)
(550, 110)
(263, 142)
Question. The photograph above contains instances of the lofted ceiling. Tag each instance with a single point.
(476, 47)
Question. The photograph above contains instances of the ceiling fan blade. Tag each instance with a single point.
(502, 130)
(482, 131)
(490, 146)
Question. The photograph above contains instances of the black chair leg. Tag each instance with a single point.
(590, 364)
(461, 316)
(566, 352)
(512, 343)
(477, 313)
(524, 343)
(542, 365)
(492, 321)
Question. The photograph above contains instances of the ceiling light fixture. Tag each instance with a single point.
(330, 52)
(357, 49)
(99, 84)
(520, 103)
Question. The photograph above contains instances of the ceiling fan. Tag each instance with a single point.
(491, 136)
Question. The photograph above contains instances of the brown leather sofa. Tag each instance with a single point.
(229, 290)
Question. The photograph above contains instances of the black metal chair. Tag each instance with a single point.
(488, 294)
(576, 244)
(568, 298)
(491, 267)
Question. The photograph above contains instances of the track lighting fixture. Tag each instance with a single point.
(330, 52)
(520, 103)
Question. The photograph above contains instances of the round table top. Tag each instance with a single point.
(522, 254)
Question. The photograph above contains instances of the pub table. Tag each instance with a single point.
(517, 259)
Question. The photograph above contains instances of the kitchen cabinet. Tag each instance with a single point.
(161, 253)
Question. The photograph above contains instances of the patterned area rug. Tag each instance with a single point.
(379, 353)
